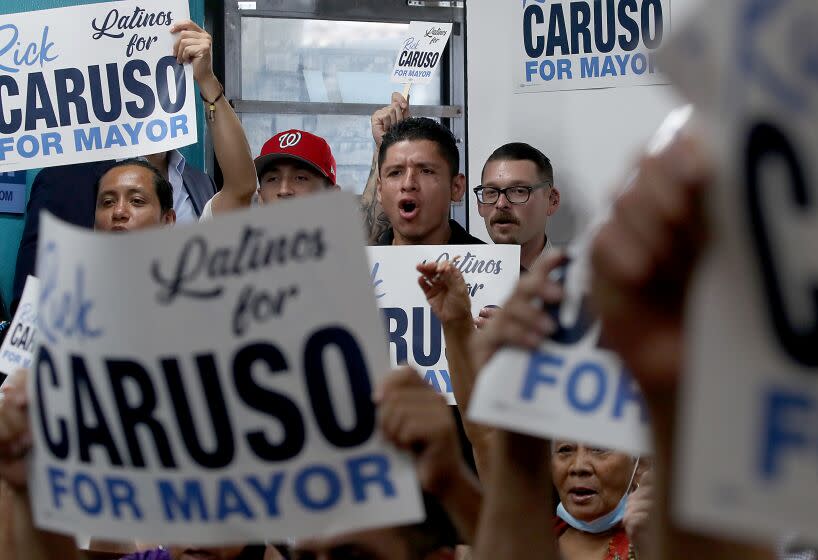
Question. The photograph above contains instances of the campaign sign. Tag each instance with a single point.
(585, 44)
(415, 333)
(13, 192)
(570, 388)
(213, 383)
(749, 414)
(17, 349)
(420, 52)
(95, 82)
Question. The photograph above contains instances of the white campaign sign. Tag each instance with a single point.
(17, 349)
(95, 82)
(585, 44)
(415, 334)
(749, 417)
(420, 53)
(569, 388)
(212, 384)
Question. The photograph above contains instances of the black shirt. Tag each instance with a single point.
(459, 236)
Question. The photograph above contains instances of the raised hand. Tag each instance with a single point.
(389, 116)
(15, 436)
(523, 321)
(446, 291)
(194, 45)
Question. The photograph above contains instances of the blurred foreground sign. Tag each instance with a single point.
(749, 418)
(212, 384)
(568, 389)
(17, 350)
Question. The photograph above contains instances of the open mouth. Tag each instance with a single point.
(581, 495)
(408, 209)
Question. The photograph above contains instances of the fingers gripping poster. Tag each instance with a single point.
(96, 82)
(212, 384)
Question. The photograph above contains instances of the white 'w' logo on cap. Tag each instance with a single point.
(289, 140)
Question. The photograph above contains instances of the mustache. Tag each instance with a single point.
(505, 218)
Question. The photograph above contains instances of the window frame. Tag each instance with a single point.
(453, 87)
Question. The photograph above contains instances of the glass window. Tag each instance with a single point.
(323, 61)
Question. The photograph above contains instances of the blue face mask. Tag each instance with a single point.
(600, 524)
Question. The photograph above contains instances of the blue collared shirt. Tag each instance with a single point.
(185, 212)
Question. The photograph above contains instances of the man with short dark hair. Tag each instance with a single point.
(516, 198)
(418, 179)
(133, 195)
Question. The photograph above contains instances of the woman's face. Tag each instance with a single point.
(590, 481)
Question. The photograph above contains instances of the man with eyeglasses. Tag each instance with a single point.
(516, 198)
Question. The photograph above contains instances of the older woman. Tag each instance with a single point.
(593, 485)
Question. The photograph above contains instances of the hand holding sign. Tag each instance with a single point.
(384, 119)
(568, 386)
(194, 45)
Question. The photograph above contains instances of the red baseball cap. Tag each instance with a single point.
(303, 146)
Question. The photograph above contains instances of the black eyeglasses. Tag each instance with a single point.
(515, 195)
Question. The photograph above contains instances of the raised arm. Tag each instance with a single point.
(415, 418)
(643, 259)
(18, 536)
(517, 519)
(382, 120)
(194, 45)
(522, 322)
(447, 294)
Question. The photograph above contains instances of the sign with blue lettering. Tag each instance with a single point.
(751, 390)
(569, 388)
(228, 397)
(17, 350)
(93, 82)
(585, 44)
(420, 53)
(415, 333)
(13, 192)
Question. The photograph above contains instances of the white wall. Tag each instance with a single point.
(589, 135)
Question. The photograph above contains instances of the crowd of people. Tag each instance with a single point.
(506, 495)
